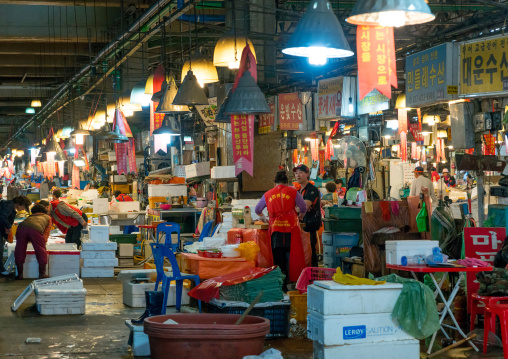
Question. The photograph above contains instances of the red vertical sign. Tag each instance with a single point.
(403, 146)
(290, 112)
(242, 128)
(156, 118)
(121, 157)
(402, 117)
(132, 156)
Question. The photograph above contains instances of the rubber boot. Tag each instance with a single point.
(42, 271)
(154, 301)
(19, 267)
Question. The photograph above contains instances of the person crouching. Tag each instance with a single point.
(35, 229)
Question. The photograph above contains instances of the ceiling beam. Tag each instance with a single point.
(47, 49)
(89, 3)
(30, 61)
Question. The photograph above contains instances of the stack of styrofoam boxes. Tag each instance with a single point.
(337, 246)
(99, 254)
(134, 294)
(366, 331)
(395, 250)
(227, 222)
(61, 298)
(62, 262)
(31, 267)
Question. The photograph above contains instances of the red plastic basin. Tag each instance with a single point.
(206, 336)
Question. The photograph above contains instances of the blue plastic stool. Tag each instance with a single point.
(206, 231)
(159, 253)
(168, 228)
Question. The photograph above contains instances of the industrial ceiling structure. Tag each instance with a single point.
(76, 56)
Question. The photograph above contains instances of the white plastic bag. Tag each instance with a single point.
(269, 354)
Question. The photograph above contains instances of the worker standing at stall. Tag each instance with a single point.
(421, 182)
(69, 219)
(122, 197)
(449, 180)
(312, 217)
(284, 227)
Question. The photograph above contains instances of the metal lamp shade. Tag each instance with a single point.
(52, 146)
(247, 99)
(203, 68)
(190, 93)
(36, 103)
(149, 85)
(80, 131)
(318, 35)
(390, 13)
(166, 103)
(118, 137)
(105, 134)
(400, 103)
(426, 129)
(221, 116)
(388, 132)
(228, 50)
(158, 95)
(138, 95)
(60, 156)
(169, 127)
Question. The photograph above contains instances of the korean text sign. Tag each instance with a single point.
(482, 243)
(267, 120)
(484, 66)
(242, 128)
(290, 112)
(329, 98)
(429, 73)
(374, 101)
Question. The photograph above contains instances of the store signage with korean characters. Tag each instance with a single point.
(374, 101)
(484, 66)
(290, 112)
(242, 128)
(431, 75)
(267, 120)
(329, 98)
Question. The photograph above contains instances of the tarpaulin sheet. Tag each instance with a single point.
(210, 289)
(207, 268)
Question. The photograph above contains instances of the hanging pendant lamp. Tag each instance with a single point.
(138, 95)
(391, 13)
(118, 137)
(190, 93)
(52, 146)
(30, 110)
(36, 103)
(228, 50)
(205, 71)
(426, 129)
(247, 99)
(169, 127)
(221, 116)
(158, 95)
(166, 103)
(104, 134)
(149, 85)
(318, 35)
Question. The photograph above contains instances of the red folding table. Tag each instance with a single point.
(447, 302)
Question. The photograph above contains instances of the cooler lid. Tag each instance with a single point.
(332, 285)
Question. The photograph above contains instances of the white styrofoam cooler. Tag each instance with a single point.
(113, 262)
(330, 298)
(197, 169)
(407, 349)
(59, 309)
(95, 246)
(223, 172)
(31, 266)
(63, 262)
(353, 328)
(134, 294)
(99, 233)
(98, 254)
(395, 250)
(97, 272)
(167, 190)
(140, 345)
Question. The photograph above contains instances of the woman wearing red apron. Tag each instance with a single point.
(284, 226)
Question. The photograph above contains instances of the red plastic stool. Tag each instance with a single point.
(501, 310)
(488, 301)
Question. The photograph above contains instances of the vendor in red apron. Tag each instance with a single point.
(122, 197)
(284, 227)
(69, 219)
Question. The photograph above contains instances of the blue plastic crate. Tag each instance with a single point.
(346, 239)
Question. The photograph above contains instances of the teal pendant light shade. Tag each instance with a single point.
(118, 137)
(190, 93)
(390, 13)
(30, 110)
(318, 36)
(169, 127)
(247, 99)
(138, 95)
(105, 134)
(221, 116)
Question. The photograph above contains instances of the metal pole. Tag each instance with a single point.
(480, 184)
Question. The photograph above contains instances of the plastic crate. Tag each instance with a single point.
(335, 225)
(278, 313)
(298, 305)
(123, 238)
(310, 274)
(344, 212)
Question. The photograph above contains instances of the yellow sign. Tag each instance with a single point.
(330, 86)
(323, 128)
(452, 90)
(484, 66)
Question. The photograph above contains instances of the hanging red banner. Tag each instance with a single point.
(132, 156)
(121, 122)
(51, 164)
(414, 151)
(419, 114)
(314, 147)
(242, 128)
(75, 170)
(290, 112)
(329, 145)
(321, 161)
(402, 117)
(403, 146)
(490, 144)
(414, 128)
(121, 157)
(376, 60)
(156, 118)
(295, 157)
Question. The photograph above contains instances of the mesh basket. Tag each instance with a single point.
(310, 274)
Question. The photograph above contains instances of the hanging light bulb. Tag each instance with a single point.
(390, 13)
(318, 35)
(190, 93)
(228, 50)
(203, 68)
(247, 99)
(36, 103)
(30, 110)
(351, 108)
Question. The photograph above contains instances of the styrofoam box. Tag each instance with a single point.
(197, 169)
(59, 295)
(62, 247)
(97, 272)
(223, 172)
(94, 246)
(134, 294)
(98, 254)
(407, 349)
(115, 230)
(59, 309)
(167, 190)
(330, 298)
(126, 250)
(99, 233)
(353, 328)
(140, 345)
(31, 266)
(113, 262)
(395, 250)
(63, 262)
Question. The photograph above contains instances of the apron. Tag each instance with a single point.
(283, 218)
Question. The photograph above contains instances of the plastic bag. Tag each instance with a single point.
(249, 250)
(415, 309)
(422, 219)
(269, 354)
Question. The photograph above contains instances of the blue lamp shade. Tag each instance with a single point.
(390, 13)
(247, 99)
(30, 110)
(318, 36)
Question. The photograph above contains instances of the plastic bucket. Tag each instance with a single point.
(206, 336)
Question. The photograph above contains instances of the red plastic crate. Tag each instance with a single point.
(310, 274)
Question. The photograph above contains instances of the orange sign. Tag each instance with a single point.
(290, 112)
(403, 146)
(376, 60)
